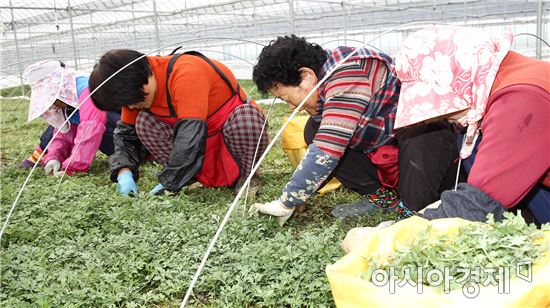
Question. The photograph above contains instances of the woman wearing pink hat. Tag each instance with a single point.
(500, 98)
(56, 91)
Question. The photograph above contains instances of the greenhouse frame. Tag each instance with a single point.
(79, 31)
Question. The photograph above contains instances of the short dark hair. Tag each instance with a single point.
(280, 61)
(126, 88)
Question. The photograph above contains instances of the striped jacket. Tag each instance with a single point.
(357, 106)
(357, 103)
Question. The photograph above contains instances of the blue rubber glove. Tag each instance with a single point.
(126, 184)
(159, 189)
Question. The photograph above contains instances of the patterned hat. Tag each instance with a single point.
(50, 81)
(447, 69)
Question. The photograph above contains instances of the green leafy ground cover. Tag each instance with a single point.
(15, 91)
(84, 245)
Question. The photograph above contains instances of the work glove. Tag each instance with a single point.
(126, 184)
(157, 190)
(52, 167)
(273, 208)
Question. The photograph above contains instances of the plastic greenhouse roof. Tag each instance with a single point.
(85, 29)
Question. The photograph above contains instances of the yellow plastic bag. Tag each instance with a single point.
(350, 290)
(295, 148)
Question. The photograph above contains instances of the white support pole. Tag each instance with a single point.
(186, 13)
(94, 41)
(539, 30)
(31, 45)
(291, 16)
(75, 54)
(157, 36)
(347, 13)
(134, 26)
(17, 51)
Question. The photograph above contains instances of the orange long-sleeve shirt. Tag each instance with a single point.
(196, 89)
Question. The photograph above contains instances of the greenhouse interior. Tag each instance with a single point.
(78, 32)
(89, 237)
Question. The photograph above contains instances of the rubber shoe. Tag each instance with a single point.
(358, 209)
(253, 188)
(26, 164)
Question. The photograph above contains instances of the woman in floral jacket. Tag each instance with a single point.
(350, 132)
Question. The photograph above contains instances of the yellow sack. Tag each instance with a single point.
(295, 148)
(350, 290)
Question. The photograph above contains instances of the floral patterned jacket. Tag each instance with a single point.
(318, 166)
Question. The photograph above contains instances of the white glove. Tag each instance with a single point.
(273, 208)
(52, 167)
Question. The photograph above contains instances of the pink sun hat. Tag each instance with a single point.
(447, 69)
(50, 81)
